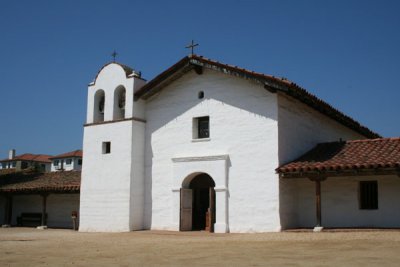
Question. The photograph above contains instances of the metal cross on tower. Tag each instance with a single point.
(192, 46)
(114, 55)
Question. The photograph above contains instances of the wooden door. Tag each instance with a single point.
(211, 216)
(186, 210)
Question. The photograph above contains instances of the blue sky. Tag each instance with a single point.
(345, 52)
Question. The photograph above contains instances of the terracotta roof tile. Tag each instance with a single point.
(271, 83)
(365, 154)
(75, 153)
(33, 182)
(30, 157)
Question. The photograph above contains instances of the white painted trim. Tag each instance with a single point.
(201, 158)
(221, 189)
(217, 189)
(201, 140)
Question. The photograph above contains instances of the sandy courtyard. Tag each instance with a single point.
(32, 247)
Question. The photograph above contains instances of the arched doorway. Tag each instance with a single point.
(197, 203)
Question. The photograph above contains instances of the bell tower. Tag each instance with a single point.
(113, 150)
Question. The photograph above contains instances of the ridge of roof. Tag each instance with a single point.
(374, 140)
(75, 153)
(30, 157)
(271, 83)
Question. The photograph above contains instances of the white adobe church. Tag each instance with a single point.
(204, 146)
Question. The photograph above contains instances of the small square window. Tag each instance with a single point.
(369, 195)
(106, 147)
(79, 161)
(56, 162)
(68, 161)
(201, 127)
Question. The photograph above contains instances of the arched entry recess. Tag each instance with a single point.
(197, 203)
(185, 169)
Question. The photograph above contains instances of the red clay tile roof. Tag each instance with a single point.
(368, 154)
(33, 182)
(30, 157)
(271, 83)
(75, 153)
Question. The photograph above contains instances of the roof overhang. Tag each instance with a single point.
(340, 173)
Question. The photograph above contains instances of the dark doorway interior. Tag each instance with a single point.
(203, 213)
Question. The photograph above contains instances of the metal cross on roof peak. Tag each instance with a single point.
(114, 55)
(192, 46)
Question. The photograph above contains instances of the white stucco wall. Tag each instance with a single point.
(340, 204)
(300, 129)
(48, 167)
(25, 203)
(74, 166)
(59, 208)
(106, 178)
(137, 173)
(243, 126)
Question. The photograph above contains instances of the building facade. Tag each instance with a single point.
(70, 161)
(197, 148)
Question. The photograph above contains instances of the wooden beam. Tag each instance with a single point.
(339, 173)
(318, 202)
(270, 89)
(198, 69)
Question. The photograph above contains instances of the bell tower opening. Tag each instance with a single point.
(198, 203)
(99, 102)
(119, 102)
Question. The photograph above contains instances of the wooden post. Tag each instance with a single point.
(8, 210)
(44, 203)
(318, 201)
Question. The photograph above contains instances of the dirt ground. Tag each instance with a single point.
(51, 247)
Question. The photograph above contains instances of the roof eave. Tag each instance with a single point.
(271, 83)
(312, 174)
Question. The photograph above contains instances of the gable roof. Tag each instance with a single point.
(349, 156)
(30, 157)
(75, 153)
(270, 83)
(33, 182)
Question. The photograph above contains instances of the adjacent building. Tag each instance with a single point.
(45, 196)
(70, 161)
(24, 161)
